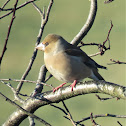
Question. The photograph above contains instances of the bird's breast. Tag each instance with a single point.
(66, 68)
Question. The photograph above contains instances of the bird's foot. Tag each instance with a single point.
(73, 84)
(55, 89)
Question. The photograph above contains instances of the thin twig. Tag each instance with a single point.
(108, 1)
(101, 47)
(101, 115)
(67, 117)
(93, 121)
(9, 29)
(25, 111)
(116, 62)
(107, 39)
(59, 108)
(38, 9)
(16, 97)
(68, 114)
(87, 26)
(29, 81)
(103, 99)
(50, 76)
(92, 55)
(5, 4)
(24, 4)
(119, 123)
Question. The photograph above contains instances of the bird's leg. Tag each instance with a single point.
(73, 84)
(55, 89)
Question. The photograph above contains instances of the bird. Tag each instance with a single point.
(67, 62)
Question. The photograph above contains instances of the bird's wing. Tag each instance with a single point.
(75, 51)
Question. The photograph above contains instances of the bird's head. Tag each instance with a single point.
(50, 43)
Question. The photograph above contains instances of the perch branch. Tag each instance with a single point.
(87, 26)
(42, 99)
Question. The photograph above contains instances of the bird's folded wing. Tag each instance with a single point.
(75, 51)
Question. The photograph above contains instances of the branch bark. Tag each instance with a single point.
(32, 104)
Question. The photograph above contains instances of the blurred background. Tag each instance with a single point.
(66, 18)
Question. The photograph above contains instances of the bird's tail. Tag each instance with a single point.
(96, 76)
(100, 66)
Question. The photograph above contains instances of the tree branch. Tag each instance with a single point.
(32, 104)
(101, 115)
(11, 9)
(69, 114)
(21, 110)
(29, 81)
(87, 26)
(116, 62)
(9, 29)
(5, 4)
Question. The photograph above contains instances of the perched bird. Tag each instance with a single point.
(66, 62)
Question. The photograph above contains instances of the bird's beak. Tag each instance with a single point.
(41, 47)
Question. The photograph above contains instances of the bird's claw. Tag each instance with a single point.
(55, 89)
(73, 84)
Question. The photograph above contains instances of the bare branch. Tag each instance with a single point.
(38, 9)
(11, 9)
(108, 1)
(50, 76)
(93, 121)
(87, 26)
(16, 97)
(103, 99)
(9, 29)
(107, 39)
(119, 123)
(92, 55)
(5, 4)
(32, 104)
(116, 62)
(101, 115)
(101, 47)
(41, 78)
(29, 81)
(43, 23)
(68, 114)
(59, 108)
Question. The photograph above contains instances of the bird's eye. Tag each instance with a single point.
(46, 43)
